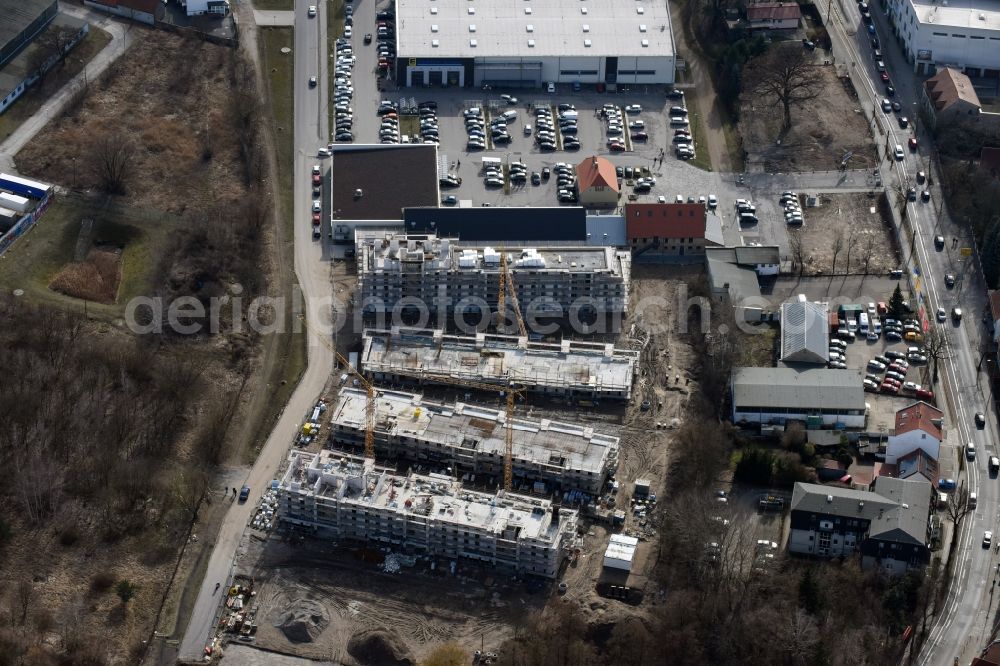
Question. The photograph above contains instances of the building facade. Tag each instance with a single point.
(817, 397)
(428, 515)
(442, 277)
(531, 44)
(598, 183)
(964, 34)
(918, 427)
(548, 456)
(676, 229)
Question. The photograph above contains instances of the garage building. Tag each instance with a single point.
(530, 44)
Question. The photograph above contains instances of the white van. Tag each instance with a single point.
(863, 323)
(510, 116)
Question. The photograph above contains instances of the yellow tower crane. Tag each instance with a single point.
(509, 391)
(507, 283)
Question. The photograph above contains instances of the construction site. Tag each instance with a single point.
(574, 369)
(451, 484)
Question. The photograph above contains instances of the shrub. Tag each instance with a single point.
(101, 582)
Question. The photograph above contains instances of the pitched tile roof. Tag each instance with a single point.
(948, 87)
(776, 11)
(596, 171)
(665, 220)
(919, 416)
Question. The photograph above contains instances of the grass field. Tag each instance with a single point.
(33, 100)
(702, 159)
(274, 5)
(291, 361)
(32, 262)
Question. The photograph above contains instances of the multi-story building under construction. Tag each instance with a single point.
(548, 456)
(429, 515)
(589, 371)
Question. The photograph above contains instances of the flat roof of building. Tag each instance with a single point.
(436, 496)
(975, 14)
(545, 442)
(393, 251)
(389, 178)
(794, 387)
(500, 223)
(499, 359)
(527, 30)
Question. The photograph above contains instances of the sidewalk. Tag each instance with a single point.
(122, 36)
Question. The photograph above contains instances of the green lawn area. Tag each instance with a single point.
(291, 349)
(274, 5)
(33, 100)
(702, 159)
(33, 260)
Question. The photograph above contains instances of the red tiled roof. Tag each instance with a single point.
(919, 416)
(777, 11)
(596, 171)
(948, 87)
(665, 220)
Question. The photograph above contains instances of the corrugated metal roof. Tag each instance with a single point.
(16, 15)
(818, 388)
(804, 332)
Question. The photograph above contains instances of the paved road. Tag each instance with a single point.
(122, 36)
(314, 280)
(962, 623)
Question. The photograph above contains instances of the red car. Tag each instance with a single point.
(317, 179)
(889, 388)
(617, 147)
(885, 76)
(315, 219)
(913, 143)
(925, 394)
(639, 136)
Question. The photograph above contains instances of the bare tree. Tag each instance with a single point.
(958, 506)
(801, 637)
(798, 251)
(836, 247)
(868, 250)
(937, 348)
(49, 49)
(852, 242)
(112, 154)
(784, 75)
(24, 596)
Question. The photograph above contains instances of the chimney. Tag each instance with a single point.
(861, 505)
(829, 499)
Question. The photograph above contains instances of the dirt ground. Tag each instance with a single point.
(822, 132)
(314, 598)
(855, 220)
(171, 96)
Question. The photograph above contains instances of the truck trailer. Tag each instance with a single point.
(24, 186)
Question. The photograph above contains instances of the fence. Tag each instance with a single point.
(24, 224)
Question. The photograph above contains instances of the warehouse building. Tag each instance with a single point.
(439, 276)
(427, 514)
(816, 396)
(531, 44)
(805, 332)
(963, 34)
(590, 371)
(548, 455)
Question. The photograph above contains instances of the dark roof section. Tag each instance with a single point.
(17, 15)
(565, 223)
(390, 177)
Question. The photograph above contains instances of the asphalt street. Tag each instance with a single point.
(311, 131)
(962, 625)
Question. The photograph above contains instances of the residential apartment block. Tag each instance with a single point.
(888, 525)
(471, 440)
(566, 369)
(410, 273)
(423, 514)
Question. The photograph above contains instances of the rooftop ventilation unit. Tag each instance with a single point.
(434, 10)
(642, 27)
(434, 27)
(586, 43)
(472, 10)
(586, 28)
(527, 10)
(530, 28)
(531, 43)
(472, 27)
(435, 43)
(645, 43)
(583, 10)
(472, 43)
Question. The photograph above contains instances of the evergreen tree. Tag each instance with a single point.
(896, 308)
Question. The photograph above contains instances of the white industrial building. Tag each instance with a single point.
(430, 515)
(620, 552)
(816, 396)
(529, 44)
(964, 34)
(567, 369)
(548, 455)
